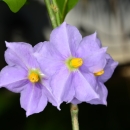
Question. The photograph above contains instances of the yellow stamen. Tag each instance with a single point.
(33, 77)
(99, 73)
(76, 62)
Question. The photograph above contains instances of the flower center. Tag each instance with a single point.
(76, 62)
(99, 73)
(34, 77)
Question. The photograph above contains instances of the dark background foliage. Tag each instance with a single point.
(29, 25)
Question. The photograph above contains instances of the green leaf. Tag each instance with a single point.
(65, 6)
(15, 5)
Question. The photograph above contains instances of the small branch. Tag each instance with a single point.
(74, 116)
(51, 13)
(57, 12)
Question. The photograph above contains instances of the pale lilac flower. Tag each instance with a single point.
(23, 75)
(73, 61)
(101, 78)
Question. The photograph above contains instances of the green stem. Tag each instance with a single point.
(74, 116)
(51, 14)
(57, 14)
(64, 7)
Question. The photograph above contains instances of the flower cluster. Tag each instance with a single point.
(68, 68)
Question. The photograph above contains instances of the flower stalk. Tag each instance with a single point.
(51, 13)
(57, 12)
(74, 116)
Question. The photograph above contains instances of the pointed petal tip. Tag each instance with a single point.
(104, 103)
(1, 86)
(58, 107)
(27, 114)
(95, 33)
(7, 43)
(64, 22)
(116, 63)
(68, 102)
(105, 49)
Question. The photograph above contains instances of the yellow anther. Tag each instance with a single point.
(99, 73)
(76, 62)
(33, 77)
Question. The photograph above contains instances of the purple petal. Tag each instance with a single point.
(83, 89)
(59, 82)
(76, 101)
(99, 88)
(90, 78)
(108, 70)
(48, 92)
(70, 90)
(46, 50)
(20, 54)
(32, 99)
(37, 47)
(102, 92)
(89, 45)
(74, 38)
(13, 78)
(97, 61)
(98, 42)
(47, 57)
(60, 40)
(43, 49)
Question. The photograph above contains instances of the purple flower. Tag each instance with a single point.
(23, 75)
(72, 62)
(102, 77)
